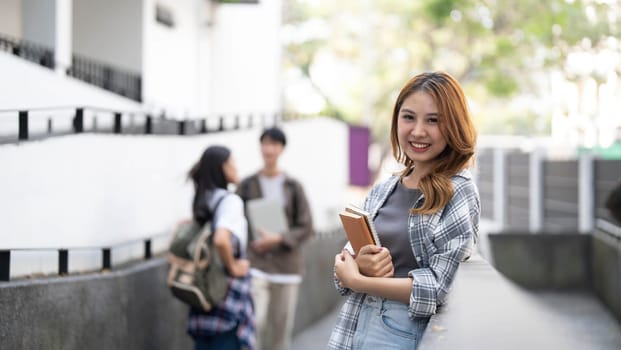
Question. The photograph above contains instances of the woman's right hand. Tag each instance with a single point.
(240, 267)
(374, 261)
(345, 269)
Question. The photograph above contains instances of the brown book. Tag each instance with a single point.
(358, 227)
(367, 217)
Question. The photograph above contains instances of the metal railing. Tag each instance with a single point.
(63, 255)
(35, 124)
(526, 192)
(30, 51)
(113, 79)
(105, 76)
(42, 123)
(106, 262)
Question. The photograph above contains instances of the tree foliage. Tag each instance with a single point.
(495, 48)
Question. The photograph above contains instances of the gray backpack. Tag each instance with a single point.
(196, 274)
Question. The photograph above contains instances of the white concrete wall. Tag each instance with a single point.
(97, 190)
(11, 18)
(170, 58)
(39, 21)
(91, 190)
(109, 31)
(206, 50)
(28, 85)
(218, 58)
(246, 57)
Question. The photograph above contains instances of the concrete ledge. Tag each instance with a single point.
(125, 309)
(131, 308)
(562, 262)
(317, 295)
(543, 261)
(606, 270)
(487, 311)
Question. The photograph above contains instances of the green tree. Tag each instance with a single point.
(497, 49)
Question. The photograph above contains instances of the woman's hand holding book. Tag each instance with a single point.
(374, 261)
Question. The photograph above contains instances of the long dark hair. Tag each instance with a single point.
(207, 174)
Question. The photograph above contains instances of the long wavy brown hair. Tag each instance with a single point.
(455, 125)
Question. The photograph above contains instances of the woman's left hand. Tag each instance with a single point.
(346, 269)
(374, 261)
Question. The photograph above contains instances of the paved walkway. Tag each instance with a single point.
(578, 317)
(584, 319)
(581, 316)
(316, 336)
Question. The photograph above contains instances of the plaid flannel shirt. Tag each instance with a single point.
(439, 241)
(236, 309)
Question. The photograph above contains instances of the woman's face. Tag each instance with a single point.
(230, 171)
(418, 130)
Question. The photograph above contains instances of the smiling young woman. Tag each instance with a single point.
(442, 108)
(427, 218)
(419, 134)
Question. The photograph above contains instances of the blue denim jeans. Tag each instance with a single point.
(224, 341)
(384, 324)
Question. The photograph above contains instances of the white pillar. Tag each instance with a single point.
(536, 191)
(500, 188)
(63, 40)
(586, 191)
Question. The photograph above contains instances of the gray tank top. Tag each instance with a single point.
(391, 223)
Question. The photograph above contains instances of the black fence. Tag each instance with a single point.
(103, 75)
(106, 262)
(30, 51)
(556, 187)
(63, 255)
(35, 124)
(121, 82)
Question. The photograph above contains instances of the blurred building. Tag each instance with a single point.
(586, 101)
(179, 57)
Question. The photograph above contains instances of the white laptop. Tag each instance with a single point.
(267, 214)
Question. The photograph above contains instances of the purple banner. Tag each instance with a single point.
(359, 141)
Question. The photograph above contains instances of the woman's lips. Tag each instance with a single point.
(419, 147)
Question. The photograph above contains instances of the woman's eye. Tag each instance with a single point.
(432, 120)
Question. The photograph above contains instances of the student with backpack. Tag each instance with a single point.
(229, 324)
